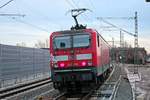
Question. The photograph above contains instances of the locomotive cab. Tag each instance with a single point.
(72, 54)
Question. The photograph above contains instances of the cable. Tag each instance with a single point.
(70, 3)
(117, 27)
(6, 3)
(128, 18)
(13, 15)
(92, 5)
(22, 34)
(74, 5)
(89, 5)
(85, 17)
(39, 14)
(37, 27)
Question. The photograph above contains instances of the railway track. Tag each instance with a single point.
(106, 91)
(61, 96)
(8, 92)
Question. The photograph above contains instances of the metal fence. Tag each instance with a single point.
(21, 64)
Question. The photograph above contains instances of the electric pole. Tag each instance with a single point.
(136, 44)
(136, 30)
(136, 52)
(121, 39)
(113, 45)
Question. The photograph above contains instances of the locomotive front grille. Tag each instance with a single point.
(73, 75)
(71, 70)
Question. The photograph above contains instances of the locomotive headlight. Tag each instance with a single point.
(62, 65)
(83, 63)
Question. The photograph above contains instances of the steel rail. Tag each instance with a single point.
(115, 89)
(22, 88)
(59, 97)
(20, 85)
(108, 90)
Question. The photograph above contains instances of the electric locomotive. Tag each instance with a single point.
(78, 56)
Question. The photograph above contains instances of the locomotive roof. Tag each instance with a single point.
(70, 31)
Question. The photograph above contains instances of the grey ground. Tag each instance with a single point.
(143, 85)
(124, 90)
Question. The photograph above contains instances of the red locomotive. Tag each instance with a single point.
(78, 56)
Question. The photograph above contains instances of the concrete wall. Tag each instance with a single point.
(19, 64)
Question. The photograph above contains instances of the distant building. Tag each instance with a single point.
(128, 55)
(148, 58)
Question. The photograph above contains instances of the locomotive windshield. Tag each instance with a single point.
(81, 40)
(62, 42)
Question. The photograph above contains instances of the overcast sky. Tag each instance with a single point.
(45, 16)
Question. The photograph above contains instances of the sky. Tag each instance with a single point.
(42, 17)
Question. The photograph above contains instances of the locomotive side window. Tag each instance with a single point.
(81, 40)
(62, 42)
(98, 40)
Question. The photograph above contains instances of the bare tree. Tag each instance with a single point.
(42, 44)
(22, 44)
